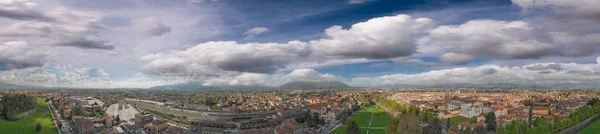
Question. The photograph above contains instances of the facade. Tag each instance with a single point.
(471, 109)
(539, 110)
(143, 118)
(156, 125)
(82, 125)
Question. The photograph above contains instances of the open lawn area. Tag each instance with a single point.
(362, 118)
(339, 130)
(593, 128)
(457, 119)
(27, 125)
(380, 118)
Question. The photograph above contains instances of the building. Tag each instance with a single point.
(288, 128)
(82, 125)
(541, 110)
(333, 113)
(156, 125)
(470, 109)
(143, 118)
(500, 110)
(133, 129)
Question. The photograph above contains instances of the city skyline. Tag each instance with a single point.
(362, 43)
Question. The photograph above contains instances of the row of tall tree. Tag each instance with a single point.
(542, 126)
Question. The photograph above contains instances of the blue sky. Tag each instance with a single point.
(367, 43)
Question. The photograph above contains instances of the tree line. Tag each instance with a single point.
(13, 104)
(542, 126)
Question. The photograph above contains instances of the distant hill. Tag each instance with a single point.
(200, 86)
(15, 86)
(314, 85)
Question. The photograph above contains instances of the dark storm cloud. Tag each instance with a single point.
(87, 44)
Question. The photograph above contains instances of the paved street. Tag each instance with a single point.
(65, 129)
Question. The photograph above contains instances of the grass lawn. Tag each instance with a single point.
(380, 118)
(457, 119)
(591, 129)
(10, 127)
(362, 118)
(377, 131)
(339, 130)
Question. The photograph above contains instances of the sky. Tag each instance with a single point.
(363, 43)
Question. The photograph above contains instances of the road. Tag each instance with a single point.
(66, 128)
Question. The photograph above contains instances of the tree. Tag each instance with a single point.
(593, 101)
(527, 102)
(408, 124)
(480, 130)
(393, 126)
(352, 127)
(118, 119)
(558, 125)
(490, 121)
(38, 128)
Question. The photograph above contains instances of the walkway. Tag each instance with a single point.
(370, 121)
(36, 120)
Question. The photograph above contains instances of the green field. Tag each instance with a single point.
(591, 129)
(457, 119)
(339, 130)
(362, 118)
(21, 125)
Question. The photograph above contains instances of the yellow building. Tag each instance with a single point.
(539, 110)
(156, 125)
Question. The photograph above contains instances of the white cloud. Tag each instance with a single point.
(253, 32)
(307, 74)
(381, 64)
(455, 59)
(208, 58)
(358, 1)
(377, 38)
(492, 39)
(150, 26)
(572, 24)
(485, 74)
(415, 62)
(16, 54)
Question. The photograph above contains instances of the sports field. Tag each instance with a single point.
(591, 129)
(27, 125)
(363, 117)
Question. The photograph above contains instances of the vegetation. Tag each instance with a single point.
(490, 121)
(352, 127)
(541, 126)
(27, 125)
(15, 104)
(311, 120)
(340, 130)
(591, 129)
(408, 123)
(457, 119)
(38, 128)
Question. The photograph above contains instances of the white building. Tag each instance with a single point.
(471, 109)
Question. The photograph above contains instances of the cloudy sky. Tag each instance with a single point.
(367, 43)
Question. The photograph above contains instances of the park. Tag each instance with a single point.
(29, 124)
(368, 115)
